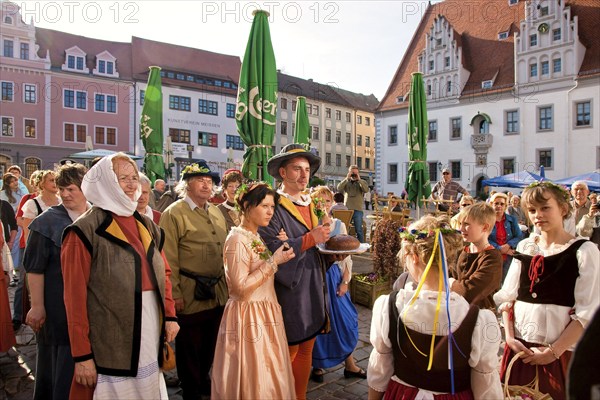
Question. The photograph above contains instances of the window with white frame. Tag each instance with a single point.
(556, 65)
(584, 116)
(545, 68)
(512, 121)
(503, 35)
(29, 128)
(75, 99)
(545, 118)
(338, 115)
(106, 135)
(181, 103)
(7, 91)
(533, 40)
(208, 139)
(556, 34)
(533, 70)
(368, 121)
(74, 132)
(179, 135)
(208, 107)
(234, 142)
(283, 102)
(8, 126)
(29, 93)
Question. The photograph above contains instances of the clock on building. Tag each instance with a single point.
(543, 28)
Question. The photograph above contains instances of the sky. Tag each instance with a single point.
(354, 45)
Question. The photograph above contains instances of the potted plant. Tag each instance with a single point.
(366, 288)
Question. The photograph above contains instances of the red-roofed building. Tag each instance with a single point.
(511, 85)
(61, 94)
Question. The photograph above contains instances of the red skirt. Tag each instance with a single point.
(552, 377)
(398, 391)
(7, 335)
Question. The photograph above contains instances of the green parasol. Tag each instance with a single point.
(151, 127)
(417, 181)
(257, 99)
(303, 129)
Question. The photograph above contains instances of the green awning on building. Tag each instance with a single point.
(482, 115)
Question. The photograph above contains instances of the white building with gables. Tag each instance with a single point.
(511, 85)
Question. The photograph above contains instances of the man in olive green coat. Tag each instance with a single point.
(195, 233)
(354, 189)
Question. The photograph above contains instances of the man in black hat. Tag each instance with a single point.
(447, 189)
(195, 233)
(299, 282)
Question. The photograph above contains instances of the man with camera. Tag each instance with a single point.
(354, 189)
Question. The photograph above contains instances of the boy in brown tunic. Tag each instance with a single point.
(478, 272)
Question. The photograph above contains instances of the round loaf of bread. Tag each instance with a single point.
(342, 243)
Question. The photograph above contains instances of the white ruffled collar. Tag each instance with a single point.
(304, 200)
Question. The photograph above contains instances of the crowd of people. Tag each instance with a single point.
(111, 268)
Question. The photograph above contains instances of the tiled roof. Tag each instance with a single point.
(57, 42)
(183, 59)
(476, 26)
(322, 92)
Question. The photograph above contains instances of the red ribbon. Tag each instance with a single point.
(536, 269)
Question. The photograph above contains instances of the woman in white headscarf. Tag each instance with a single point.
(116, 288)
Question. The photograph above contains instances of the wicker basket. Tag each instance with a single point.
(517, 392)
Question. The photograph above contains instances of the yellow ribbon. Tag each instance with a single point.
(439, 300)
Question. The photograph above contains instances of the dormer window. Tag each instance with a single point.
(503, 35)
(513, 2)
(8, 20)
(105, 64)
(487, 84)
(75, 60)
(399, 99)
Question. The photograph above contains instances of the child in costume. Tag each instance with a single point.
(550, 294)
(429, 342)
(478, 271)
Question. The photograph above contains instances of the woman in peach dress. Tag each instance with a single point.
(7, 336)
(252, 359)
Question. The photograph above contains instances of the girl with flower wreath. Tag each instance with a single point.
(252, 360)
(429, 343)
(550, 294)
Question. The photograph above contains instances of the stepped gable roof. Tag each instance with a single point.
(476, 26)
(57, 42)
(183, 59)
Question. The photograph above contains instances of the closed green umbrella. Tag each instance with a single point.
(417, 181)
(151, 127)
(257, 99)
(302, 133)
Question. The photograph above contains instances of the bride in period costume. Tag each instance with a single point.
(252, 360)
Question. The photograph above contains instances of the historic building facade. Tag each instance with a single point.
(64, 93)
(510, 87)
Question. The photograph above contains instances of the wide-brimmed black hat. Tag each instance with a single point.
(199, 168)
(288, 152)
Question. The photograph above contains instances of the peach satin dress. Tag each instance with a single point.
(252, 359)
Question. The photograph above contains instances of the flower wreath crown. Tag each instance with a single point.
(194, 168)
(247, 188)
(414, 234)
(550, 185)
